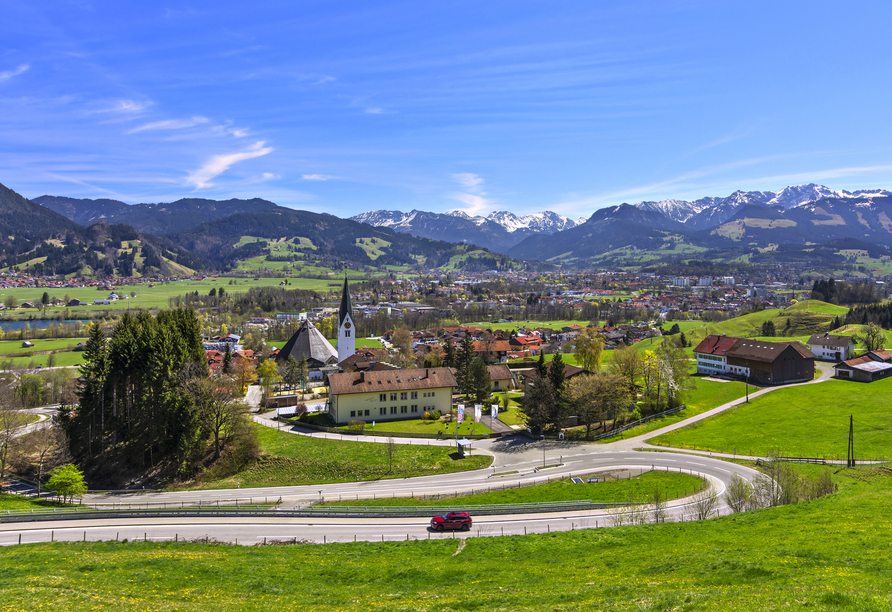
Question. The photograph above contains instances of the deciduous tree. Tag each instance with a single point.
(68, 482)
(589, 347)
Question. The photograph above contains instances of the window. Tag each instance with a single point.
(346, 333)
(414, 407)
(414, 394)
(404, 409)
(353, 413)
(393, 410)
(433, 393)
(393, 397)
(382, 397)
(367, 413)
(383, 411)
(403, 395)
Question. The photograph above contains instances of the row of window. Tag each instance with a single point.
(709, 358)
(383, 410)
(403, 396)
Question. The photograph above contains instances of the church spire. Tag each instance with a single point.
(346, 304)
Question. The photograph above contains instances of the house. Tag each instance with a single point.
(866, 368)
(769, 363)
(501, 377)
(389, 395)
(74, 302)
(832, 348)
(26, 344)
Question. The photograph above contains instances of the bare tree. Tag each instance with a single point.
(391, 450)
(738, 494)
(44, 450)
(704, 505)
(216, 405)
(11, 419)
(658, 505)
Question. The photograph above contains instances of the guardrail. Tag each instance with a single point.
(57, 514)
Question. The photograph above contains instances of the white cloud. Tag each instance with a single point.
(170, 124)
(318, 177)
(218, 164)
(474, 197)
(8, 74)
(375, 111)
(127, 106)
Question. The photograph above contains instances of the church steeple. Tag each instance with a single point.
(346, 326)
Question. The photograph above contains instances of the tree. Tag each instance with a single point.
(674, 329)
(463, 361)
(67, 481)
(738, 494)
(47, 448)
(11, 302)
(449, 356)
(303, 372)
(45, 299)
(541, 368)
(674, 373)
(289, 371)
(536, 403)
(627, 363)
(10, 421)
(768, 328)
(227, 360)
(269, 375)
(479, 382)
(244, 372)
(215, 405)
(589, 348)
(598, 397)
(873, 337)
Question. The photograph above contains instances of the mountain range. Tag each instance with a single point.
(498, 231)
(55, 234)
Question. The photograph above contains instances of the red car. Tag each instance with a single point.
(452, 520)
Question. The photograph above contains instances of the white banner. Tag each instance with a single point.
(495, 411)
(461, 413)
(478, 412)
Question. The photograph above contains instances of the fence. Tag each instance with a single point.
(390, 434)
(646, 419)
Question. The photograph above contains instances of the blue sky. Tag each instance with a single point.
(343, 107)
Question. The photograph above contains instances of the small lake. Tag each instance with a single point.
(7, 326)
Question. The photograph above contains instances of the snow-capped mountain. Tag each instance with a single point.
(497, 231)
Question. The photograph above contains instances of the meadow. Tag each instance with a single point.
(293, 459)
(833, 554)
(809, 421)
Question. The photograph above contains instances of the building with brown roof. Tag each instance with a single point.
(390, 395)
(768, 363)
(866, 368)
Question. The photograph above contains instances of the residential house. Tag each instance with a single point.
(832, 348)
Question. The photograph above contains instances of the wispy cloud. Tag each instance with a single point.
(8, 74)
(474, 198)
(128, 106)
(170, 124)
(318, 177)
(218, 164)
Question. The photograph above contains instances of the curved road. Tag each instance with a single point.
(517, 461)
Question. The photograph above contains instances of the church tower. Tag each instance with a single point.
(346, 326)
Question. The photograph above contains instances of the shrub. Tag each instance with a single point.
(357, 425)
(435, 415)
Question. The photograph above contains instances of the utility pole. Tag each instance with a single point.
(850, 460)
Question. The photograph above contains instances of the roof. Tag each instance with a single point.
(881, 354)
(346, 304)
(760, 350)
(866, 366)
(828, 340)
(498, 372)
(716, 345)
(391, 380)
(308, 342)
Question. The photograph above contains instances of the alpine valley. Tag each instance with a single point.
(807, 223)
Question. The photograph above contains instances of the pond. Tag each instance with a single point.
(7, 326)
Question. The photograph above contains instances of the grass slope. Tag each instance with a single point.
(673, 484)
(291, 459)
(829, 554)
(810, 420)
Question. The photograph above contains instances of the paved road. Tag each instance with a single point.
(516, 461)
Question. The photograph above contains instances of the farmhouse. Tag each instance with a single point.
(501, 377)
(832, 348)
(389, 395)
(769, 363)
(866, 368)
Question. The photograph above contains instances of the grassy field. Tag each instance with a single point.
(811, 420)
(672, 484)
(425, 427)
(706, 395)
(827, 555)
(17, 502)
(291, 459)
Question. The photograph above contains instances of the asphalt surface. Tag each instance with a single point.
(517, 461)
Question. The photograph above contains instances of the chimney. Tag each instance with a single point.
(427, 373)
(362, 376)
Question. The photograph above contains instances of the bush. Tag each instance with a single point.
(435, 415)
(357, 425)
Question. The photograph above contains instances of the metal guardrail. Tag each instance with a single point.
(57, 514)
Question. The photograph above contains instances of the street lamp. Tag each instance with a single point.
(542, 439)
